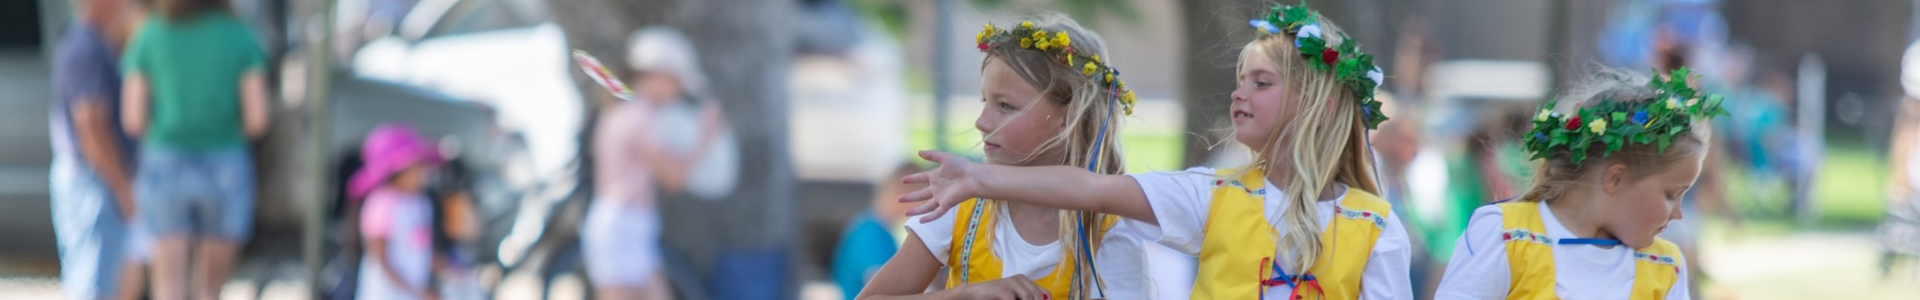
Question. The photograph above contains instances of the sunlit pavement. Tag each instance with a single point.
(1807, 265)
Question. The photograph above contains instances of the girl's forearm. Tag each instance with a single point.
(1066, 187)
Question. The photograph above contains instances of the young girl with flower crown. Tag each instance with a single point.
(1301, 221)
(1616, 161)
(1050, 101)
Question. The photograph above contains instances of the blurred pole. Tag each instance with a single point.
(1811, 104)
(942, 25)
(319, 110)
(1557, 36)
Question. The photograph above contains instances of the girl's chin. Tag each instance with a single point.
(1247, 137)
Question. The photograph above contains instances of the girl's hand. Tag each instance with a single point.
(954, 181)
(1017, 287)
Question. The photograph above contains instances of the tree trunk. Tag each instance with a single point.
(1214, 31)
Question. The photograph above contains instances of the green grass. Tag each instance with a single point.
(1848, 192)
(1851, 187)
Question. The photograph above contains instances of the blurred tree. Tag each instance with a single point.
(1211, 52)
(893, 13)
(746, 48)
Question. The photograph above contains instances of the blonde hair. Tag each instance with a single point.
(1557, 174)
(1327, 140)
(1093, 114)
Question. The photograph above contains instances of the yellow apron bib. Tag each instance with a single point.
(1530, 258)
(971, 252)
(1237, 250)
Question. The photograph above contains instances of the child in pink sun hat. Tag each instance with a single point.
(396, 220)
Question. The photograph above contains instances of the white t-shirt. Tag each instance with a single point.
(1121, 259)
(405, 222)
(1479, 267)
(1182, 200)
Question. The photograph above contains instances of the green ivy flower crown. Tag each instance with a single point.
(1060, 47)
(1613, 124)
(1350, 67)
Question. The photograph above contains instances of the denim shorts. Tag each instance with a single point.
(196, 193)
(94, 240)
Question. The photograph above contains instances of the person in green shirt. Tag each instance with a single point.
(195, 93)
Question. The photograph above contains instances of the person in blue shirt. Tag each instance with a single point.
(874, 234)
(91, 178)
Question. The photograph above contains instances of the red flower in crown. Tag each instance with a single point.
(1573, 123)
(983, 47)
(1330, 56)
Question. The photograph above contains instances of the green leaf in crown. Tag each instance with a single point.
(1349, 66)
(1613, 124)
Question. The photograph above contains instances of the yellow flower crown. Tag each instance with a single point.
(1060, 47)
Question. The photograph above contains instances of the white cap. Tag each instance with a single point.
(663, 49)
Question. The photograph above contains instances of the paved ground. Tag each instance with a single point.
(1808, 265)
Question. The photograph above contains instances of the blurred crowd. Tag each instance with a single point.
(163, 111)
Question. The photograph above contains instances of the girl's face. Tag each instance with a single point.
(1648, 203)
(1260, 101)
(413, 180)
(658, 87)
(1016, 119)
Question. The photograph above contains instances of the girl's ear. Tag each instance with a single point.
(1614, 178)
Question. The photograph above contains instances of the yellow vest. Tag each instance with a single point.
(1530, 258)
(1237, 250)
(971, 257)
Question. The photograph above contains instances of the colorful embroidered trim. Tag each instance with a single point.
(1378, 219)
(1523, 234)
(1243, 187)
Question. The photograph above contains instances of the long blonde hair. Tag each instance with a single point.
(1093, 117)
(1327, 139)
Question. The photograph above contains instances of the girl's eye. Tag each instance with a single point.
(1006, 107)
(1262, 84)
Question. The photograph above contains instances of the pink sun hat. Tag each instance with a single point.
(389, 149)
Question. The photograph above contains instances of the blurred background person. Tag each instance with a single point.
(396, 221)
(457, 227)
(635, 164)
(195, 94)
(873, 235)
(92, 181)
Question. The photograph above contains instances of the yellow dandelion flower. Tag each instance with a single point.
(1039, 35)
(1028, 24)
(1026, 43)
(1061, 39)
(1042, 44)
(1096, 58)
(1109, 77)
(1088, 69)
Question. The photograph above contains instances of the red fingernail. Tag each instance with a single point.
(1045, 296)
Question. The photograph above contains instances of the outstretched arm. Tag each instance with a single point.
(1063, 187)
